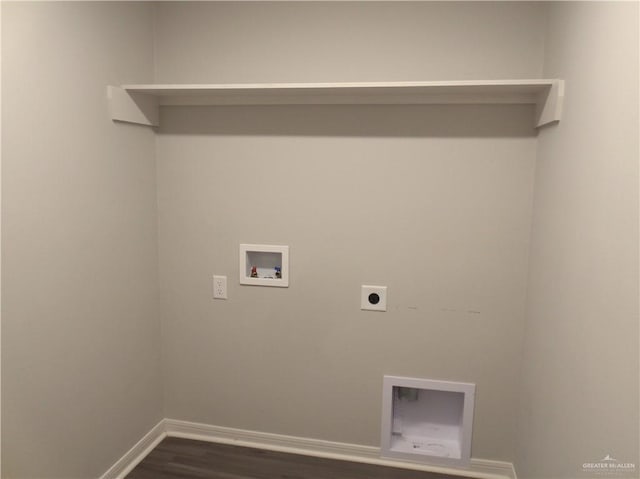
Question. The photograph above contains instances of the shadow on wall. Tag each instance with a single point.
(439, 121)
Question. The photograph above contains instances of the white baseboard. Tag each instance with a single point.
(501, 468)
(479, 469)
(137, 453)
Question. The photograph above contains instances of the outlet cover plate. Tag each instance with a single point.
(373, 298)
(219, 287)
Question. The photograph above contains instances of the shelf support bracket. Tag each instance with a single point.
(549, 104)
(133, 107)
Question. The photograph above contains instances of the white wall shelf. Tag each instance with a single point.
(141, 103)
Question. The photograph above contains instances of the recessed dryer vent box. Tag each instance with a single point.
(427, 421)
(264, 265)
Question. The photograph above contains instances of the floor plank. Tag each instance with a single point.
(176, 458)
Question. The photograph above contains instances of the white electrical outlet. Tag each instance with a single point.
(373, 298)
(220, 287)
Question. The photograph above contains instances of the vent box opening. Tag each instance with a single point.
(427, 420)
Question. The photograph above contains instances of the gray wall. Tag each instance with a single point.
(580, 369)
(434, 202)
(80, 336)
(217, 42)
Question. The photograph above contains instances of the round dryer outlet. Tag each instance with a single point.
(373, 298)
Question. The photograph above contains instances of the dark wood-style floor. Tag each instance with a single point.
(186, 459)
